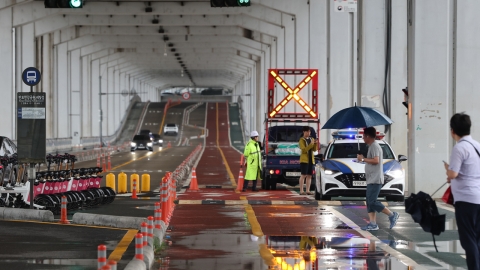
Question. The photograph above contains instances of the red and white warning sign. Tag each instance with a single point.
(186, 95)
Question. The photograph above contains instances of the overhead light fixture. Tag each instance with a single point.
(161, 31)
(148, 9)
(155, 21)
(181, 73)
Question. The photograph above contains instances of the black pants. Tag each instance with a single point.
(468, 222)
(245, 184)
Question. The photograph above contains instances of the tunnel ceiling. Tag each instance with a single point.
(213, 46)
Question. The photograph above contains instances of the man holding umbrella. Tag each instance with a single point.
(374, 176)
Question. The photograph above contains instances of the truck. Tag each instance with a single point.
(281, 154)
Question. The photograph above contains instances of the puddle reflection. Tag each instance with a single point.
(308, 252)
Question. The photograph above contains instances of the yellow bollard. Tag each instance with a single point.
(111, 181)
(122, 183)
(145, 182)
(134, 176)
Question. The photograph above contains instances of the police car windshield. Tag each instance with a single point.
(350, 150)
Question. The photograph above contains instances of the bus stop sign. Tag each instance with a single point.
(31, 76)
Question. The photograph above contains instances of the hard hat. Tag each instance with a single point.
(254, 134)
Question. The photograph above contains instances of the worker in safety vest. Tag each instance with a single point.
(253, 159)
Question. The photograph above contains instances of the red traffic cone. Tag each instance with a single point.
(240, 180)
(193, 182)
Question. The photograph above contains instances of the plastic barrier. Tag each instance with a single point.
(145, 182)
(110, 181)
(122, 182)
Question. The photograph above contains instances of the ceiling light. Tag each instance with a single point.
(148, 9)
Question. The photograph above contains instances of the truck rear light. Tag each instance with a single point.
(277, 171)
(271, 171)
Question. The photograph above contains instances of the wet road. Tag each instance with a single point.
(219, 228)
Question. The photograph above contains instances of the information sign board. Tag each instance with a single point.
(31, 127)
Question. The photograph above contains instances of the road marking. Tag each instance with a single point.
(122, 246)
(128, 162)
(230, 174)
(366, 234)
(257, 231)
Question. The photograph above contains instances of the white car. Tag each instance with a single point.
(340, 174)
(170, 128)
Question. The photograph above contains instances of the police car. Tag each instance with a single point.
(340, 174)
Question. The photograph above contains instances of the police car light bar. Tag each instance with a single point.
(343, 134)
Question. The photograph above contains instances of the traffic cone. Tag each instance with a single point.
(169, 145)
(63, 217)
(240, 180)
(104, 165)
(109, 162)
(134, 191)
(193, 182)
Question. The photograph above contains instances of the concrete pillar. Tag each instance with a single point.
(318, 15)
(431, 84)
(61, 93)
(7, 124)
(27, 52)
(46, 85)
(467, 63)
(86, 107)
(75, 106)
(112, 118)
(397, 136)
(95, 82)
(341, 48)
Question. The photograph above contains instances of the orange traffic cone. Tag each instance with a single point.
(109, 162)
(134, 191)
(240, 180)
(63, 217)
(169, 145)
(193, 182)
(104, 165)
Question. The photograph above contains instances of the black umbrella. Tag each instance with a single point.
(425, 212)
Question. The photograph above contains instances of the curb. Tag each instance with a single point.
(135, 264)
(25, 214)
(277, 202)
(122, 222)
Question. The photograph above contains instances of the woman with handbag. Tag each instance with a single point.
(463, 174)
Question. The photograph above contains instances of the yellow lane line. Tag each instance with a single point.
(230, 174)
(122, 246)
(130, 161)
(165, 115)
(257, 231)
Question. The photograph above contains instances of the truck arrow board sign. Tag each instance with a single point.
(311, 76)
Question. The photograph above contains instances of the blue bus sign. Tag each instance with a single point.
(31, 76)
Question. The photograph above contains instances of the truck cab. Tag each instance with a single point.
(281, 155)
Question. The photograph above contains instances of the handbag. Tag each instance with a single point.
(448, 196)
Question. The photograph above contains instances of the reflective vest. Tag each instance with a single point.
(253, 158)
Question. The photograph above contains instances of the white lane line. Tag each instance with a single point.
(366, 234)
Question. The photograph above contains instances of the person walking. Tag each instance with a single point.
(374, 176)
(253, 160)
(307, 146)
(463, 174)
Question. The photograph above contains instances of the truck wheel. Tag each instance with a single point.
(272, 183)
(264, 182)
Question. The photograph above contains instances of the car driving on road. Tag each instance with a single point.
(170, 128)
(141, 142)
(340, 174)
